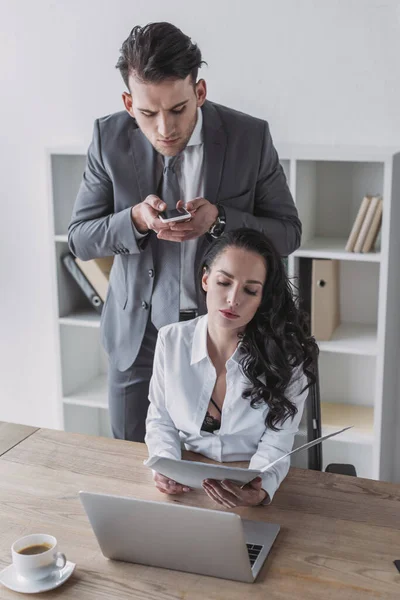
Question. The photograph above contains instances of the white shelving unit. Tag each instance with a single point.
(358, 366)
(83, 364)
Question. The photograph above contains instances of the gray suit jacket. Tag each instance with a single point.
(242, 172)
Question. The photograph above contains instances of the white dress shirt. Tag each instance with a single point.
(180, 390)
(190, 175)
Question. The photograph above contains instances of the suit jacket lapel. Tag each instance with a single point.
(145, 162)
(214, 151)
(215, 141)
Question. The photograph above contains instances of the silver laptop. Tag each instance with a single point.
(179, 537)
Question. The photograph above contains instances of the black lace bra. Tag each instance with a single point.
(210, 424)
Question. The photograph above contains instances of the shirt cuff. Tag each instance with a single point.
(138, 236)
(269, 485)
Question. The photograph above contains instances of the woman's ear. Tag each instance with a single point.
(204, 280)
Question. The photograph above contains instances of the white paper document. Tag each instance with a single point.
(192, 473)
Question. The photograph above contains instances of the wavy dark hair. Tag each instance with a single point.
(277, 339)
(158, 51)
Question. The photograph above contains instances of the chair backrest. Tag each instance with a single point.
(314, 428)
(313, 403)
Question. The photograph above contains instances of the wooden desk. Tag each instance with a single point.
(12, 434)
(339, 535)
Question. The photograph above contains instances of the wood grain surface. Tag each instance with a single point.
(12, 434)
(339, 535)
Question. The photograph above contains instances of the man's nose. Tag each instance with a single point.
(164, 127)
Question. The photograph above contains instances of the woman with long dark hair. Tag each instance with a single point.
(231, 384)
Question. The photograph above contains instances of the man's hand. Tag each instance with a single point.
(168, 486)
(230, 495)
(203, 214)
(145, 214)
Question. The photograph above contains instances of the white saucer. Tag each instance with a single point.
(10, 579)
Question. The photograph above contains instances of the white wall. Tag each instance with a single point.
(320, 71)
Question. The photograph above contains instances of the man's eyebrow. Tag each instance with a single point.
(231, 277)
(172, 108)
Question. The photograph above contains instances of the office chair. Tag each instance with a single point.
(314, 427)
(314, 431)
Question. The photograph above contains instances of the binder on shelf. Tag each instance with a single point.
(374, 228)
(97, 272)
(325, 307)
(365, 227)
(355, 230)
(85, 285)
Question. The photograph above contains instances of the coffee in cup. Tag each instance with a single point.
(35, 549)
(36, 556)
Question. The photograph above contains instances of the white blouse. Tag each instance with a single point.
(180, 390)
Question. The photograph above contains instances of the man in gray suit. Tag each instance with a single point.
(170, 147)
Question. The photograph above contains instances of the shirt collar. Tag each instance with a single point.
(199, 343)
(197, 135)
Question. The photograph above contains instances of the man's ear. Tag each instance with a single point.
(127, 100)
(201, 92)
(204, 280)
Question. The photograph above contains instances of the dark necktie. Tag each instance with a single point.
(170, 191)
(165, 301)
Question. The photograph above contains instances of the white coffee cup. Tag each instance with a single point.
(40, 565)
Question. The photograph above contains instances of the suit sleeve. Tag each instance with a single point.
(95, 230)
(274, 210)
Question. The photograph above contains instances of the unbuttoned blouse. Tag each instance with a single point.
(181, 386)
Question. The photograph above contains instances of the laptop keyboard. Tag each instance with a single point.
(253, 550)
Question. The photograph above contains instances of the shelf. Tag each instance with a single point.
(336, 416)
(358, 366)
(82, 318)
(333, 248)
(352, 338)
(334, 152)
(93, 394)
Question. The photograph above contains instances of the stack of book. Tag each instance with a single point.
(366, 226)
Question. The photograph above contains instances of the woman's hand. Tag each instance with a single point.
(168, 486)
(230, 495)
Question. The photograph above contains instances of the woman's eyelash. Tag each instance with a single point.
(225, 284)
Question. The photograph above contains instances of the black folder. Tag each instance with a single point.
(82, 281)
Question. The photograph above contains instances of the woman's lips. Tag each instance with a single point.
(228, 314)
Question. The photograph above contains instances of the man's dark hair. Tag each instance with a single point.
(158, 51)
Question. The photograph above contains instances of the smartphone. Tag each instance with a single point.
(175, 214)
